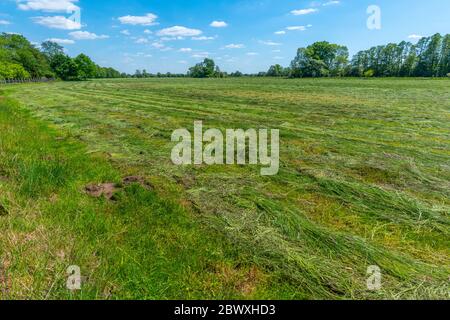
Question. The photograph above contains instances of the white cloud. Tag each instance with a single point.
(158, 45)
(296, 28)
(85, 35)
(146, 31)
(179, 31)
(171, 38)
(48, 5)
(61, 41)
(201, 55)
(302, 12)
(182, 61)
(125, 32)
(277, 50)
(219, 24)
(278, 58)
(57, 22)
(148, 20)
(330, 3)
(252, 53)
(203, 38)
(141, 40)
(415, 37)
(270, 43)
(280, 32)
(185, 50)
(4, 22)
(235, 46)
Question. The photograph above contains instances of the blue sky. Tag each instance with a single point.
(246, 35)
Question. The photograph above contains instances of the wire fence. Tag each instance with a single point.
(28, 80)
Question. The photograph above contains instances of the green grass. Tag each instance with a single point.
(364, 180)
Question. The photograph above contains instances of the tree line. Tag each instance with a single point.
(20, 59)
(430, 57)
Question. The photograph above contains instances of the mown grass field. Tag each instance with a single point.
(364, 180)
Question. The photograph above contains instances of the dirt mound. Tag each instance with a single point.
(137, 179)
(105, 189)
(108, 190)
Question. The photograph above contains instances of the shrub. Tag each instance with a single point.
(369, 73)
(9, 70)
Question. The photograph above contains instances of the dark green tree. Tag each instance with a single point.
(320, 59)
(86, 67)
(275, 71)
(51, 49)
(205, 69)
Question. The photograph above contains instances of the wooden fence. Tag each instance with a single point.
(29, 80)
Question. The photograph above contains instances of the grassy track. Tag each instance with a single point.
(364, 180)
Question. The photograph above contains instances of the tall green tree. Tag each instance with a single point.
(17, 49)
(86, 67)
(320, 59)
(444, 60)
(51, 49)
(429, 56)
(64, 67)
(275, 71)
(205, 69)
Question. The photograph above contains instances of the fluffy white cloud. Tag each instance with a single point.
(252, 53)
(171, 38)
(235, 46)
(4, 22)
(141, 41)
(148, 20)
(61, 41)
(296, 28)
(185, 50)
(415, 37)
(158, 45)
(48, 5)
(330, 3)
(302, 12)
(146, 31)
(201, 55)
(57, 22)
(280, 32)
(179, 31)
(125, 32)
(203, 38)
(85, 35)
(219, 24)
(270, 43)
